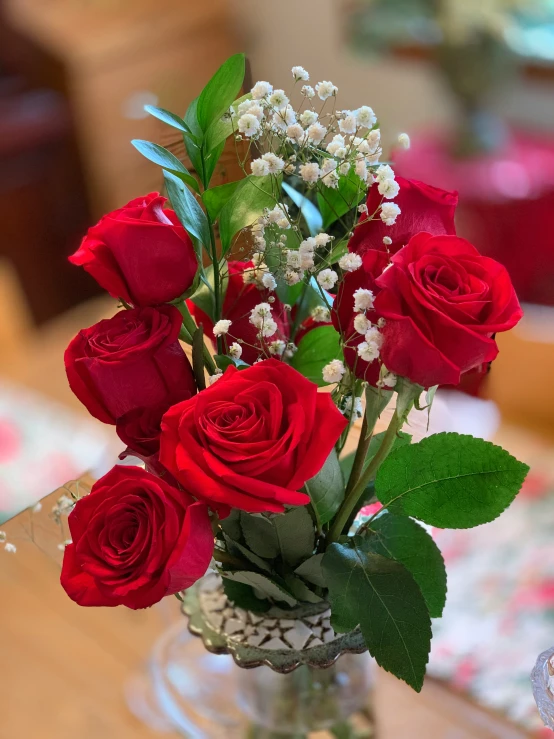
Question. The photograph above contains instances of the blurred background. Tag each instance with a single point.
(471, 82)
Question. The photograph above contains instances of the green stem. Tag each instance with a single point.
(358, 490)
(225, 558)
(190, 327)
(359, 459)
(217, 292)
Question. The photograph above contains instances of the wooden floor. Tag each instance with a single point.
(63, 668)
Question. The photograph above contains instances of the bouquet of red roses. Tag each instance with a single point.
(325, 286)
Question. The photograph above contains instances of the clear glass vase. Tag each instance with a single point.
(207, 696)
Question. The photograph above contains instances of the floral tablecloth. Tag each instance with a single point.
(500, 608)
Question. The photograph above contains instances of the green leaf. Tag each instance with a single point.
(295, 534)
(450, 480)
(311, 570)
(166, 116)
(165, 159)
(215, 198)
(376, 400)
(231, 525)
(260, 535)
(263, 585)
(316, 349)
(383, 598)
(222, 128)
(210, 161)
(251, 557)
(194, 147)
(204, 295)
(243, 596)
(220, 92)
(188, 212)
(251, 196)
(223, 361)
(311, 214)
(402, 539)
(326, 489)
(334, 204)
(346, 462)
(300, 590)
(198, 358)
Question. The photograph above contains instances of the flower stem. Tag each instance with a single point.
(359, 459)
(191, 328)
(352, 498)
(220, 555)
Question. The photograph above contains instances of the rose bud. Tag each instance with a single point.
(135, 539)
(252, 439)
(240, 299)
(140, 253)
(131, 360)
(422, 208)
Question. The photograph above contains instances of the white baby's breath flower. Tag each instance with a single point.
(344, 168)
(259, 313)
(362, 208)
(388, 380)
(251, 107)
(346, 407)
(284, 118)
(259, 167)
(389, 213)
(388, 189)
(221, 327)
(322, 239)
(261, 89)
(275, 164)
(310, 172)
(269, 281)
(404, 141)
(327, 278)
(289, 169)
(215, 377)
(308, 91)
(373, 139)
(348, 124)
(295, 133)
(3, 537)
(248, 124)
(365, 116)
(294, 259)
(337, 142)
(368, 351)
(361, 169)
(350, 262)
(362, 324)
(292, 277)
(268, 328)
(384, 173)
(321, 314)
(306, 253)
(325, 89)
(373, 159)
(363, 300)
(299, 73)
(329, 174)
(308, 117)
(334, 371)
(387, 241)
(10, 548)
(374, 336)
(235, 350)
(278, 99)
(316, 133)
(277, 347)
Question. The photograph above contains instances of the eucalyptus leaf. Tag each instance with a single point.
(315, 350)
(450, 480)
(165, 159)
(248, 202)
(402, 539)
(188, 212)
(295, 535)
(382, 597)
(221, 91)
(262, 584)
(309, 211)
(326, 489)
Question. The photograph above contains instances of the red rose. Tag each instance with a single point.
(140, 253)
(252, 439)
(135, 540)
(240, 299)
(129, 361)
(442, 303)
(423, 208)
(140, 430)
